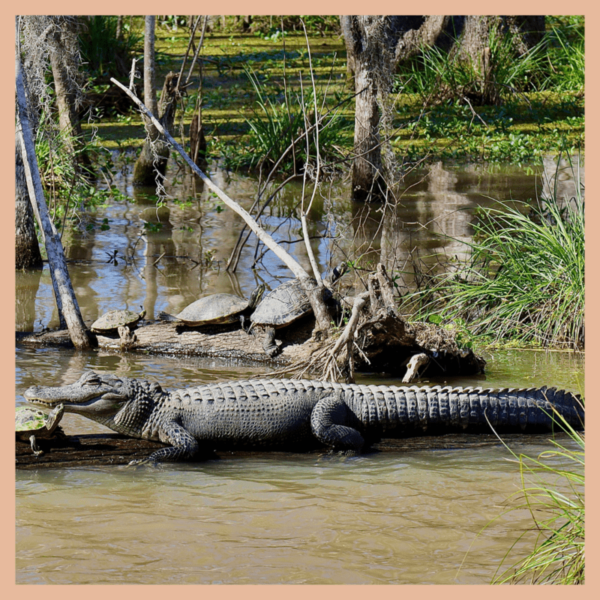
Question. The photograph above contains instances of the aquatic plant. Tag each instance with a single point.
(102, 52)
(279, 119)
(525, 278)
(554, 495)
(566, 57)
(438, 75)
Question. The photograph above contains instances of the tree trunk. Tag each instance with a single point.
(345, 25)
(198, 142)
(27, 249)
(65, 296)
(476, 48)
(374, 45)
(371, 56)
(367, 182)
(151, 165)
(64, 60)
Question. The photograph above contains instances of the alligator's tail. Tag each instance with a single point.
(383, 408)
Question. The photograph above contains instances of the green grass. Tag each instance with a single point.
(524, 281)
(553, 491)
(528, 124)
(102, 54)
(278, 117)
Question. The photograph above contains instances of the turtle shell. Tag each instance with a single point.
(216, 308)
(283, 305)
(30, 419)
(114, 319)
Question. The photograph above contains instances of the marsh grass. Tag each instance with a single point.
(103, 54)
(279, 117)
(525, 279)
(553, 491)
(566, 58)
(438, 75)
(556, 63)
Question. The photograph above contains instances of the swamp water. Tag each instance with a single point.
(410, 517)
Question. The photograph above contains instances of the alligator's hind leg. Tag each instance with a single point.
(328, 421)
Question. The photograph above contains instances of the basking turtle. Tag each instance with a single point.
(286, 304)
(217, 309)
(31, 423)
(111, 321)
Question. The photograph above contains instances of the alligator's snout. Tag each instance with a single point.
(34, 393)
(89, 387)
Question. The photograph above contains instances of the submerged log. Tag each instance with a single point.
(83, 450)
(113, 449)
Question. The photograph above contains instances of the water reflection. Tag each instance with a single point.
(165, 257)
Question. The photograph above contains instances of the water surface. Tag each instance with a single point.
(410, 517)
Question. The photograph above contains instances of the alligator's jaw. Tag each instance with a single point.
(90, 394)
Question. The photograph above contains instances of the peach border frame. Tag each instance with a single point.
(7, 314)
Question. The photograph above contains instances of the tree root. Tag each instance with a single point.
(376, 337)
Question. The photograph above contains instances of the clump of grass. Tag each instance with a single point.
(438, 75)
(566, 58)
(279, 119)
(525, 279)
(554, 496)
(556, 63)
(103, 54)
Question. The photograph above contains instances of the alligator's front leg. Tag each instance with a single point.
(183, 445)
(329, 420)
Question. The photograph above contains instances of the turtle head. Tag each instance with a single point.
(336, 273)
(257, 295)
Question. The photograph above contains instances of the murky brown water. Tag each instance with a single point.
(381, 518)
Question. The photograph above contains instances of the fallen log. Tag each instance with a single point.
(83, 450)
(113, 449)
(388, 344)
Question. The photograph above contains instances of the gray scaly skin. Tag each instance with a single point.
(289, 413)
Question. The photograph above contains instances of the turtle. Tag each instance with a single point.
(32, 423)
(286, 304)
(216, 309)
(111, 321)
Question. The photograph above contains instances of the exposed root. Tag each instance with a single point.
(377, 336)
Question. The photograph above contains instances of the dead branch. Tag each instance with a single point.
(264, 237)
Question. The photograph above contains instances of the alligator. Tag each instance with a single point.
(294, 414)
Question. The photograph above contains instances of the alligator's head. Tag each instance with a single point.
(105, 398)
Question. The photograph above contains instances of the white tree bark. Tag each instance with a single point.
(65, 296)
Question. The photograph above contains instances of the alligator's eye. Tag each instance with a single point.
(93, 379)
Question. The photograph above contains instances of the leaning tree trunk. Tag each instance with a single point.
(27, 249)
(65, 296)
